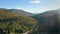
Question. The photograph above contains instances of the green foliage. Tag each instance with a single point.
(10, 22)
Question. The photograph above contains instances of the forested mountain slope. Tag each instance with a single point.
(48, 21)
(14, 23)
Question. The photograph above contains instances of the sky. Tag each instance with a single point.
(33, 6)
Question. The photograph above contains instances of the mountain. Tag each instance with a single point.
(22, 12)
(14, 23)
(20, 21)
(18, 11)
(48, 22)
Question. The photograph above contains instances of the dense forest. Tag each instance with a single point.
(14, 21)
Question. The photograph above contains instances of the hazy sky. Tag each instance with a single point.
(34, 6)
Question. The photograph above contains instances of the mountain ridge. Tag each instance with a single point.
(18, 11)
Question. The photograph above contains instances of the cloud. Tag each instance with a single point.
(35, 1)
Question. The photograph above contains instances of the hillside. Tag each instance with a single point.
(22, 12)
(17, 11)
(48, 22)
(17, 21)
(14, 23)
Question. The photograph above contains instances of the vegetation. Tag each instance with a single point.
(48, 22)
(17, 21)
(14, 23)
